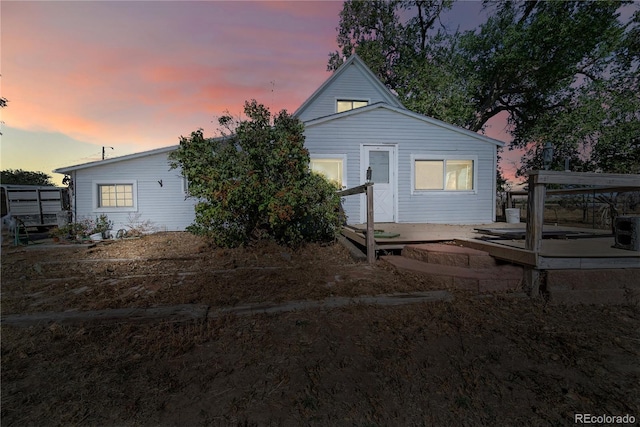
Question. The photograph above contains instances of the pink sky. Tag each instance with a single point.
(138, 75)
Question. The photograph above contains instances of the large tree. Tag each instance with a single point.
(404, 44)
(22, 177)
(537, 61)
(254, 182)
(597, 125)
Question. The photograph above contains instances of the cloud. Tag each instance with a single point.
(137, 75)
(142, 72)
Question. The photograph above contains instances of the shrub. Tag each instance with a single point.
(255, 183)
(86, 227)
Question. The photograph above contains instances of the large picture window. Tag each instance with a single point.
(331, 168)
(443, 174)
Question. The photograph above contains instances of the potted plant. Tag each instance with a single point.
(56, 232)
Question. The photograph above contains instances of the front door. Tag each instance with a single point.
(382, 160)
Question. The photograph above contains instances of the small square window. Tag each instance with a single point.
(429, 174)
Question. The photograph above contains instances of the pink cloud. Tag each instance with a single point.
(137, 75)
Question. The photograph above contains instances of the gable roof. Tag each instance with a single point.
(353, 60)
(409, 113)
(116, 159)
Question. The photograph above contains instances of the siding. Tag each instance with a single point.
(411, 136)
(351, 84)
(165, 206)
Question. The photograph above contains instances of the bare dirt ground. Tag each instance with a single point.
(496, 360)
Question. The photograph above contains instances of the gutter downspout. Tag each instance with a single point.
(75, 204)
(494, 196)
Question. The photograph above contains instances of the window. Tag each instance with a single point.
(443, 174)
(349, 104)
(115, 195)
(331, 168)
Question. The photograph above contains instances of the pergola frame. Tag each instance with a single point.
(538, 180)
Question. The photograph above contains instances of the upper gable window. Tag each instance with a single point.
(350, 104)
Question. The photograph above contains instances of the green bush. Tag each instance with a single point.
(254, 182)
(85, 227)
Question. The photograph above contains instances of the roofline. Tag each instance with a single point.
(368, 74)
(29, 186)
(67, 169)
(406, 112)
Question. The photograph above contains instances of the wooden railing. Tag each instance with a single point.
(370, 238)
(537, 192)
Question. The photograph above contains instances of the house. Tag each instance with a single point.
(132, 189)
(424, 170)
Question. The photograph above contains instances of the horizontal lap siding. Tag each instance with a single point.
(412, 136)
(329, 140)
(165, 206)
(352, 84)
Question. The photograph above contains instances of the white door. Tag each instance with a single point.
(381, 159)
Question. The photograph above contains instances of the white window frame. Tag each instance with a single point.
(343, 157)
(443, 158)
(352, 100)
(96, 195)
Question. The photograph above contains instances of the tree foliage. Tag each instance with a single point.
(597, 126)
(254, 182)
(22, 177)
(414, 56)
(562, 71)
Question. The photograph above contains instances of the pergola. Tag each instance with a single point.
(537, 191)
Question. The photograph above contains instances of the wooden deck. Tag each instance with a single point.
(561, 248)
(418, 233)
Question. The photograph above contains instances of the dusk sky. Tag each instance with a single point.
(138, 75)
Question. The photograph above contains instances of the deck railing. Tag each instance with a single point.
(537, 192)
(370, 238)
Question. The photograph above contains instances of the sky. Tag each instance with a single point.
(132, 76)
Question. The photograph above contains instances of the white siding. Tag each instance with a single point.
(411, 136)
(164, 205)
(350, 84)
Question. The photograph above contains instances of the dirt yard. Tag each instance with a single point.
(495, 360)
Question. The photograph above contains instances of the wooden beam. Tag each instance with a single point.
(371, 239)
(583, 190)
(535, 214)
(354, 235)
(500, 251)
(354, 190)
(586, 178)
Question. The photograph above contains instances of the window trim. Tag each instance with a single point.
(352, 100)
(444, 158)
(96, 196)
(343, 157)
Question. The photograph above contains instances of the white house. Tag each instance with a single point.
(134, 188)
(424, 170)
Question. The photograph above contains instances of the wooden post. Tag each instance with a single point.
(535, 223)
(371, 241)
(535, 214)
